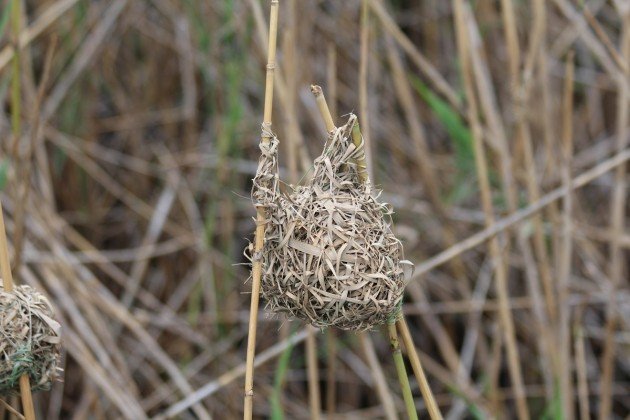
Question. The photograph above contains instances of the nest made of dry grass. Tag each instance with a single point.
(29, 340)
(329, 257)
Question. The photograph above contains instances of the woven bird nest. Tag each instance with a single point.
(329, 256)
(29, 340)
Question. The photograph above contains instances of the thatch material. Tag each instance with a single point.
(29, 340)
(330, 257)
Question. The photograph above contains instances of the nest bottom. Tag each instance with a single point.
(331, 259)
(29, 340)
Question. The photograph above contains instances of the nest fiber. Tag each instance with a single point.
(329, 256)
(29, 340)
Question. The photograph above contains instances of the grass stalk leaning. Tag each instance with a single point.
(427, 394)
(260, 223)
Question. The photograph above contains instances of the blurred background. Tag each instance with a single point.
(127, 199)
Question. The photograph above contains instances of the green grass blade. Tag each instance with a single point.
(280, 375)
(461, 136)
(452, 122)
(4, 19)
(4, 170)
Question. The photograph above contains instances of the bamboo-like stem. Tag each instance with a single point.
(412, 354)
(320, 99)
(260, 223)
(401, 371)
(27, 398)
(564, 271)
(5, 265)
(486, 198)
(617, 217)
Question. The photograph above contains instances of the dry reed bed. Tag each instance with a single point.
(125, 198)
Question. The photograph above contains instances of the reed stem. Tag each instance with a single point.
(401, 371)
(320, 99)
(566, 249)
(260, 223)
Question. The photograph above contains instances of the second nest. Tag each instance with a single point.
(330, 257)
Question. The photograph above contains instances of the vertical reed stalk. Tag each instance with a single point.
(617, 217)
(401, 371)
(502, 291)
(5, 265)
(260, 223)
(564, 274)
